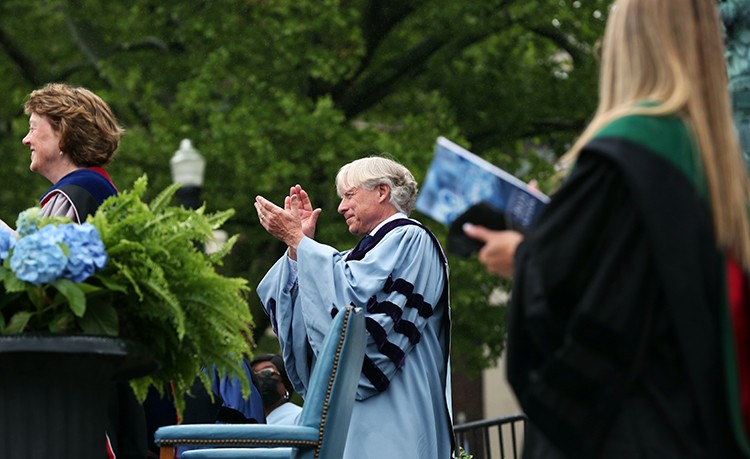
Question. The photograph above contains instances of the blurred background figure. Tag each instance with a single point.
(628, 328)
(226, 405)
(275, 389)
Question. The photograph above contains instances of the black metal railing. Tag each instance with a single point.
(498, 438)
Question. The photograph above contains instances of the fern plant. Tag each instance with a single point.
(158, 288)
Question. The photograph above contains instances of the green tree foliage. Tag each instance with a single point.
(278, 92)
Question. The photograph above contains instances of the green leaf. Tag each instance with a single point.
(100, 319)
(18, 322)
(37, 295)
(111, 285)
(162, 200)
(11, 282)
(62, 323)
(74, 294)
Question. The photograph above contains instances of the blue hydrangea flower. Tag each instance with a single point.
(28, 221)
(7, 241)
(38, 257)
(87, 252)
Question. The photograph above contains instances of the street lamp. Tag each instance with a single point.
(188, 168)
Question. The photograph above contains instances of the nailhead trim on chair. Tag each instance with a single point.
(323, 417)
(330, 380)
(233, 441)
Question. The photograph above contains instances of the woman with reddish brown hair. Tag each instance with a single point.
(73, 135)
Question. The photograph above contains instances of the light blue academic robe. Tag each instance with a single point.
(286, 413)
(403, 398)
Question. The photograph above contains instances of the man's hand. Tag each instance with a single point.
(283, 224)
(308, 215)
(499, 248)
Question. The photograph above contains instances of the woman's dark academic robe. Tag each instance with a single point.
(615, 332)
(76, 196)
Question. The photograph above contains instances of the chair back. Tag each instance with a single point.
(333, 385)
(323, 424)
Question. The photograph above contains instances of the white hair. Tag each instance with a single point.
(368, 173)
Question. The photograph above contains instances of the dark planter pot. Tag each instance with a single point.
(53, 392)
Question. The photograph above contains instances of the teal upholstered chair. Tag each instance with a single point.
(323, 424)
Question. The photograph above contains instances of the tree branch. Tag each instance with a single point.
(560, 39)
(94, 61)
(379, 19)
(362, 92)
(148, 43)
(27, 68)
(540, 127)
(378, 84)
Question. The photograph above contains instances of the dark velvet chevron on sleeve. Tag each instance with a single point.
(394, 353)
(414, 300)
(403, 326)
(373, 374)
(272, 314)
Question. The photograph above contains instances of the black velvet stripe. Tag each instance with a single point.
(414, 300)
(373, 374)
(362, 247)
(359, 252)
(417, 301)
(371, 371)
(401, 325)
(394, 353)
(272, 314)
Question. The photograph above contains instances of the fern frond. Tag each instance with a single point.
(191, 316)
(162, 199)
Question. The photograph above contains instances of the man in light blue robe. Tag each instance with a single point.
(399, 277)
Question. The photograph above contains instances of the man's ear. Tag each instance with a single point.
(384, 192)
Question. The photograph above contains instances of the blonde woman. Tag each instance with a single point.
(624, 337)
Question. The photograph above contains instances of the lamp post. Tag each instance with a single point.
(188, 168)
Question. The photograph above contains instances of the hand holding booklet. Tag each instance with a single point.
(460, 187)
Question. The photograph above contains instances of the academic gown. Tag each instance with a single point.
(403, 397)
(615, 346)
(286, 413)
(78, 194)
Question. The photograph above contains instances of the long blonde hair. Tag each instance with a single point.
(671, 52)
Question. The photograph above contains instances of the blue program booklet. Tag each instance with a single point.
(462, 186)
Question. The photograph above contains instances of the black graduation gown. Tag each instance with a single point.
(613, 342)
